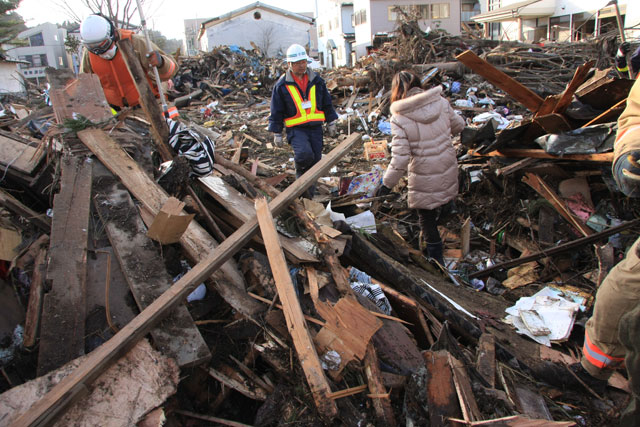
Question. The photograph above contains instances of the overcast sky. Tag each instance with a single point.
(165, 16)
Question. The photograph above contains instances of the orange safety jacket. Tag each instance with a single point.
(115, 78)
(303, 115)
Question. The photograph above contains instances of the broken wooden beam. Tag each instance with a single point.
(541, 154)
(558, 249)
(54, 402)
(11, 203)
(36, 296)
(148, 101)
(300, 335)
(535, 182)
(578, 78)
(381, 401)
(63, 319)
(520, 93)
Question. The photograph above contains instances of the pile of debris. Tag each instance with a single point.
(289, 311)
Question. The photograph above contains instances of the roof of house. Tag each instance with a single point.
(257, 5)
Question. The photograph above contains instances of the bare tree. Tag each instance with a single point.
(120, 12)
(267, 35)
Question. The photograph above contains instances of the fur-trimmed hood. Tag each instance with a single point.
(421, 106)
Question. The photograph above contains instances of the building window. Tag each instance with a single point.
(39, 61)
(36, 40)
(340, 52)
(60, 61)
(320, 30)
(440, 11)
(256, 15)
(360, 17)
(422, 10)
(494, 4)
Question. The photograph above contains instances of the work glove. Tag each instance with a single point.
(332, 129)
(155, 59)
(623, 50)
(626, 171)
(382, 191)
(277, 140)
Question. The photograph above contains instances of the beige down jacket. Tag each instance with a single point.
(422, 125)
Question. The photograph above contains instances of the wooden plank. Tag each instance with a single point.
(381, 403)
(36, 294)
(553, 123)
(293, 314)
(441, 393)
(468, 404)
(196, 241)
(54, 402)
(68, 92)
(610, 115)
(499, 79)
(578, 78)
(9, 202)
(145, 272)
(547, 106)
(541, 154)
(240, 207)
(486, 358)
(62, 329)
(535, 182)
(141, 380)
(19, 156)
(148, 101)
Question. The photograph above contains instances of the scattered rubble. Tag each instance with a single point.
(323, 311)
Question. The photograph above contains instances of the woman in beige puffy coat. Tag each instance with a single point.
(422, 123)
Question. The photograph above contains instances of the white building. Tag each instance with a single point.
(191, 44)
(11, 80)
(336, 34)
(45, 49)
(374, 20)
(269, 28)
(554, 20)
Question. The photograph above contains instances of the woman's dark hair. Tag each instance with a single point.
(401, 83)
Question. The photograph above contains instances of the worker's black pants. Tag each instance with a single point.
(429, 224)
(307, 149)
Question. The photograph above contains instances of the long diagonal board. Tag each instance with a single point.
(293, 314)
(144, 270)
(100, 359)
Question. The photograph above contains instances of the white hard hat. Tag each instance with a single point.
(97, 33)
(296, 53)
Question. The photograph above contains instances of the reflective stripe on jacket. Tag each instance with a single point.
(285, 107)
(303, 115)
(597, 357)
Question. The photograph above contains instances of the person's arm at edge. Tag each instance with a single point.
(169, 66)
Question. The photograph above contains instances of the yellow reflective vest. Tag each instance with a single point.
(304, 113)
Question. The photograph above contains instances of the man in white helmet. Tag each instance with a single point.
(300, 102)
(103, 58)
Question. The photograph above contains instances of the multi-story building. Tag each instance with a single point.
(45, 49)
(555, 20)
(191, 44)
(376, 19)
(335, 33)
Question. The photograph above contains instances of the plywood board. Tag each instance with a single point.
(19, 156)
(145, 272)
(140, 381)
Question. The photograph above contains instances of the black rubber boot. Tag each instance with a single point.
(434, 250)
